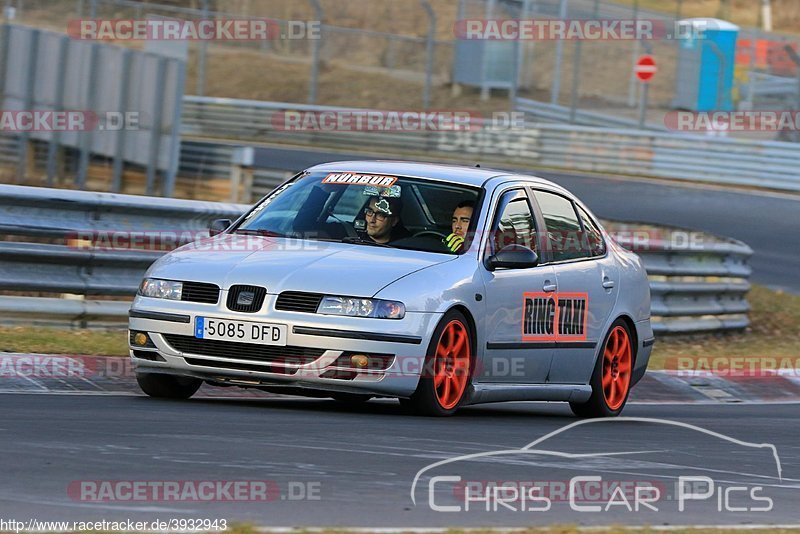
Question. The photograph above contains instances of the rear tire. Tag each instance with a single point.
(447, 371)
(163, 386)
(611, 379)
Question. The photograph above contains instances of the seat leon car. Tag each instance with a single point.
(441, 286)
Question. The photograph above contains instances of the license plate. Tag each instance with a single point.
(240, 331)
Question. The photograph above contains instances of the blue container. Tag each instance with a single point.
(706, 58)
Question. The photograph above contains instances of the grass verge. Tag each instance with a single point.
(774, 332)
(29, 339)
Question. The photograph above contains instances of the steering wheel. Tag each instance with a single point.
(430, 232)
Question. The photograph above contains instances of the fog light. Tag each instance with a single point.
(140, 339)
(359, 361)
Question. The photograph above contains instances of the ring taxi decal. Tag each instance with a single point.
(554, 316)
(348, 178)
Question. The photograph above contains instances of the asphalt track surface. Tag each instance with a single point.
(768, 222)
(360, 462)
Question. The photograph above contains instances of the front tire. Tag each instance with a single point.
(447, 370)
(163, 386)
(611, 379)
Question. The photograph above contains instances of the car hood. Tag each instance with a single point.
(292, 265)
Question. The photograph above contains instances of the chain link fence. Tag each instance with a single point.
(316, 53)
(369, 49)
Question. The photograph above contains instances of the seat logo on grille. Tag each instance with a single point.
(246, 298)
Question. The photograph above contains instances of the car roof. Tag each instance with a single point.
(458, 174)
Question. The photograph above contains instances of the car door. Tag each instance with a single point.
(587, 279)
(516, 351)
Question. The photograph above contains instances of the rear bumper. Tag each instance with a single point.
(645, 337)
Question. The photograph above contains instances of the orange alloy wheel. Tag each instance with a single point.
(451, 364)
(617, 363)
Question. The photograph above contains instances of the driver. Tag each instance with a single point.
(462, 216)
(382, 216)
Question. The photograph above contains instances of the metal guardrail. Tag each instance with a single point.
(56, 223)
(546, 112)
(721, 160)
(697, 283)
(695, 288)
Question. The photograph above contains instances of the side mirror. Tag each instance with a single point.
(513, 257)
(218, 226)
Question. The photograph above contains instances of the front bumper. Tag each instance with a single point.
(326, 337)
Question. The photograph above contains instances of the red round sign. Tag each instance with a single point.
(645, 68)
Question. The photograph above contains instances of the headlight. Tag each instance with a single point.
(358, 307)
(161, 289)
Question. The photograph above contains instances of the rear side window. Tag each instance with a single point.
(563, 228)
(592, 240)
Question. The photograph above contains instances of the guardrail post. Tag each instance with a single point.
(555, 88)
(175, 134)
(576, 70)
(242, 174)
(155, 125)
(795, 58)
(202, 55)
(30, 80)
(430, 43)
(632, 85)
(53, 149)
(87, 136)
(316, 46)
(119, 153)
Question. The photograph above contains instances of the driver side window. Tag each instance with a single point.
(514, 223)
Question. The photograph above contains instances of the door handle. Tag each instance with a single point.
(548, 287)
(608, 283)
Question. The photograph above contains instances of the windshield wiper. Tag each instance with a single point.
(361, 241)
(265, 233)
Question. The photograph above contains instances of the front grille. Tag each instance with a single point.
(247, 299)
(200, 292)
(242, 366)
(243, 351)
(298, 301)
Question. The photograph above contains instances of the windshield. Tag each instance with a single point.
(369, 210)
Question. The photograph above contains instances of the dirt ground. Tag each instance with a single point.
(366, 69)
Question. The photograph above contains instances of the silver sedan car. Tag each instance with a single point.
(441, 286)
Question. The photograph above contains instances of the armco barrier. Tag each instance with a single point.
(698, 282)
(697, 287)
(618, 150)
